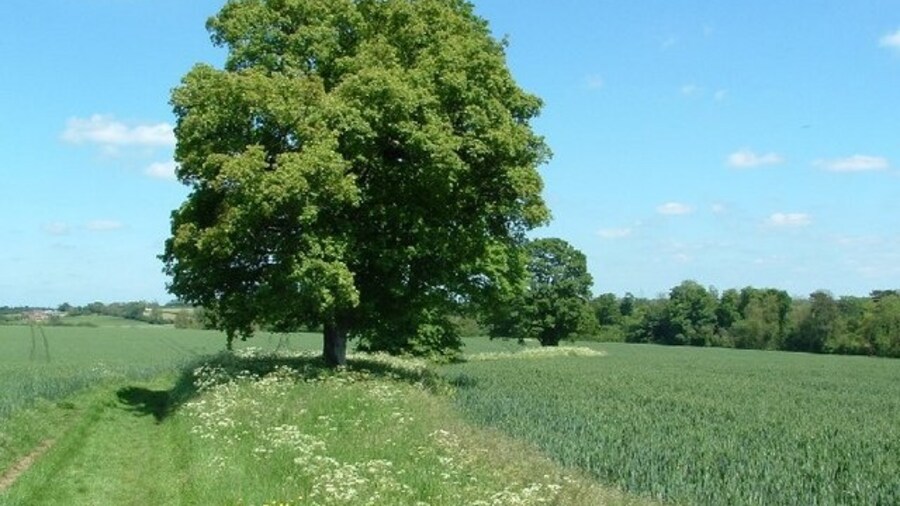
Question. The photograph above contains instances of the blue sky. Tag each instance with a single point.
(733, 143)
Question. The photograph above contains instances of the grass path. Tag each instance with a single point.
(111, 455)
(24, 464)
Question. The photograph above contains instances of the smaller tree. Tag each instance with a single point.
(556, 303)
(559, 292)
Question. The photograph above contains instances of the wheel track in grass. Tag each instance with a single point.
(13, 473)
(64, 446)
(8, 478)
(107, 447)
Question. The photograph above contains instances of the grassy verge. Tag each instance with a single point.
(282, 430)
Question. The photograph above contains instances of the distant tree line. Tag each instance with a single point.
(754, 318)
(147, 312)
(556, 305)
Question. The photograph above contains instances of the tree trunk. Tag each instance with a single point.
(334, 348)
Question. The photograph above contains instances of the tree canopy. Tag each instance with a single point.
(356, 164)
(556, 302)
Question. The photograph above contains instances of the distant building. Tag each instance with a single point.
(41, 315)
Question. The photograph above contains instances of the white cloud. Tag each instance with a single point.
(855, 163)
(594, 82)
(767, 260)
(108, 132)
(56, 228)
(668, 43)
(104, 225)
(615, 233)
(696, 91)
(745, 159)
(674, 209)
(690, 89)
(864, 241)
(162, 170)
(789, 220)
(891, 40)
(719, 208)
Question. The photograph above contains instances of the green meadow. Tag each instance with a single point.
(154, 415)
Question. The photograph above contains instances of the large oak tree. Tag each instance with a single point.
(356, 164)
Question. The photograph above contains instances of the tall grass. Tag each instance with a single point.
(703, 426)
(373, 434)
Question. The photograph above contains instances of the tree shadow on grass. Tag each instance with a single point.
(163, 403)
(145, 401)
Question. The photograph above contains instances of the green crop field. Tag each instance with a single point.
(79, 357)
(704, 426)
